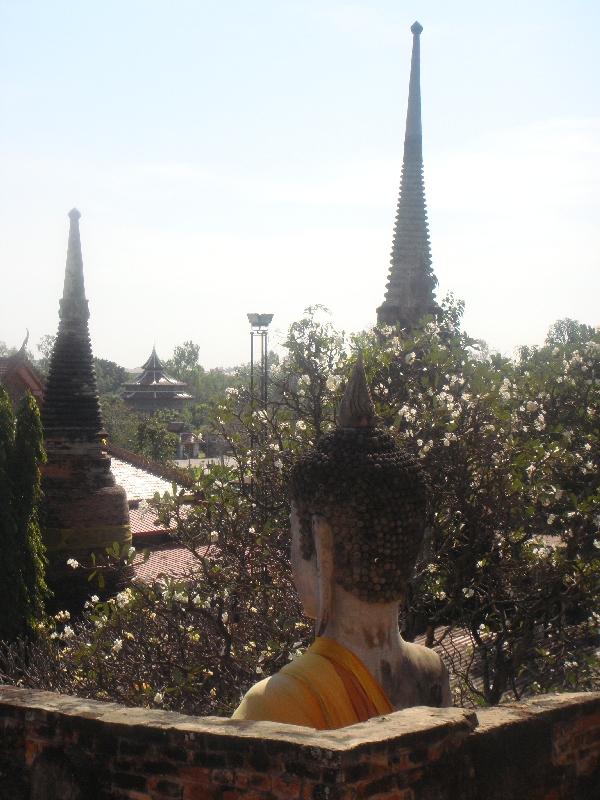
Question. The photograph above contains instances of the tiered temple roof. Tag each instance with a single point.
(155, 389)
(411, 281)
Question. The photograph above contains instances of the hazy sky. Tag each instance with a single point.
(244, 155)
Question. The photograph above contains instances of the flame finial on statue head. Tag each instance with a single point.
(356, 409)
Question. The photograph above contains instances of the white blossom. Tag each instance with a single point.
(73, 563)
(123, 598)
(539, 423)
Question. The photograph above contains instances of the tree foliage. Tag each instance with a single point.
(154, 441)
(110, 377)
(512, 555)
(22, 585)
(120, 421)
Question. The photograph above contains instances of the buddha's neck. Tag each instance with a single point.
(369, 630)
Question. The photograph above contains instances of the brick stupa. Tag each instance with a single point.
(85, 511)
(411, 282)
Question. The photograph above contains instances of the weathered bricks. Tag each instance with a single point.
(544, 749)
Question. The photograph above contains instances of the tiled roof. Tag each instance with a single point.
(18, 370)
(170, 559)
(143, 523)
(154, 375)
(139, 484)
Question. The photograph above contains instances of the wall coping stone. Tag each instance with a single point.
(52, 745)
(397, 727)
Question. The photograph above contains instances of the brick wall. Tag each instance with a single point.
(54, 746)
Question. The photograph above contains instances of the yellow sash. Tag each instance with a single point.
(327, 687)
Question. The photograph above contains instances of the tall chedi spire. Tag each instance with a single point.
(85, 511)
(411, 282)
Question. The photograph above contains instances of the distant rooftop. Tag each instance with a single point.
(171, 560)
(139, 484)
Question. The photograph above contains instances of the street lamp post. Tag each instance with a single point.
(259, 325)
(259, 328)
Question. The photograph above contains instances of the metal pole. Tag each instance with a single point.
(265, 368)
(252, 370)
(262, 368)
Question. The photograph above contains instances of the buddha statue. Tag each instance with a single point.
(357, 524)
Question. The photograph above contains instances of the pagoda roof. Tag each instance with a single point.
(154, 378)
(154, 362)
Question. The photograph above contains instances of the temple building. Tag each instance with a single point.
(154, 390)
(84, 510)
(411, 282)
(18, 376)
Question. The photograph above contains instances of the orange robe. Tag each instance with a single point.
(327, 687)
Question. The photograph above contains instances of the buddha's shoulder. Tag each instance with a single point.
(426, 659)
(269, 690)
(277, 699)
(431, 673)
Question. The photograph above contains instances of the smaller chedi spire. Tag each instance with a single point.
(356, 408)
(85, 511)
(73, 301)
(71, 408)
(411, 282)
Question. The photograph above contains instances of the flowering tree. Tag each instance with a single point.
(511, 451)
(511, 559)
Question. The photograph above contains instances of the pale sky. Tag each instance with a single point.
(244, 155)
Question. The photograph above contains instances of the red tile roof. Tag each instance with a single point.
(171, 560)
(143, 522)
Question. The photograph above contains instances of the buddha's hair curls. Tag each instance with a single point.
(374, 496)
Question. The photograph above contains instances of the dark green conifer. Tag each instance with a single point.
(28, 454)
(11, 587)
(22, 585)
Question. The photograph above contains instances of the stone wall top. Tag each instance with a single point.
(51, 745)
(408, 723)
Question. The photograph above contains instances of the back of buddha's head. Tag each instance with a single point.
(372, 493)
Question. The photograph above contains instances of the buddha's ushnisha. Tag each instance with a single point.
(357, 522)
